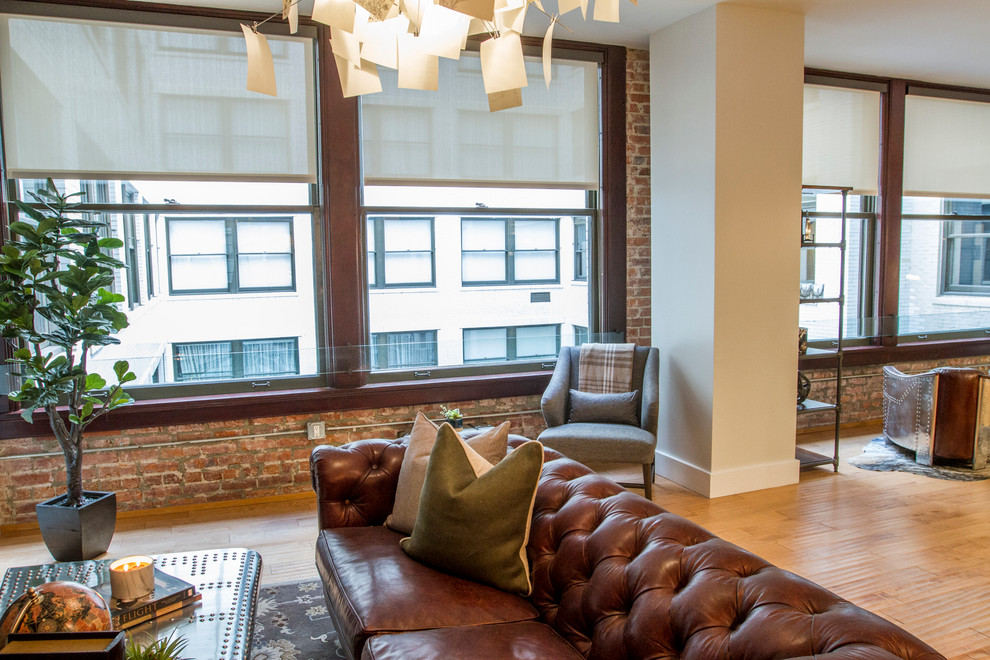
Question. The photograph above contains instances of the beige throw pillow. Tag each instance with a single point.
(474, 518)
(490, 444)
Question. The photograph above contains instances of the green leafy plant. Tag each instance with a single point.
(450, 413)
(166, 648)
(56, 304)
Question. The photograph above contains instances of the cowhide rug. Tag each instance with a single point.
(884, 456)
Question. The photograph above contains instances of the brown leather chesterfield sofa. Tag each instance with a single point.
(614, 577)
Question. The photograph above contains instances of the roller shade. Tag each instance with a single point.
(946, 147)
(841, 138)
(93, 100)
(449, 137)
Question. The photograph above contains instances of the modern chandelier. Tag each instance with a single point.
(411, 35)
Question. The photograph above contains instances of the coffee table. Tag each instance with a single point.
(219, 627)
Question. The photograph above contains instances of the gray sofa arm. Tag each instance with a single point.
(650, 408)
(554, 401)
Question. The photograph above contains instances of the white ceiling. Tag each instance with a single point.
(945, 41)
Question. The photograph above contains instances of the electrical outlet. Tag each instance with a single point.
(316, 430)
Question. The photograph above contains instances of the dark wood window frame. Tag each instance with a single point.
(343, 295)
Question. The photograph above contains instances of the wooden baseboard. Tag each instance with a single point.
(178, 508)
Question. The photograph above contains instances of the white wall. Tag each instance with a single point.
(726, 97)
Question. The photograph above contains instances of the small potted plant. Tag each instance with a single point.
(166, 648)
(56, 304)
(453, 416)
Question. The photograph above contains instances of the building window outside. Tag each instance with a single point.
(398, 350)
(965, 256)
(580, 249)
(241, 358)
(509, 251)
(400, 252)
(511, 343)
(944, 268)
(230, 255)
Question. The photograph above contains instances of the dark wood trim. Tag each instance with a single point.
(344, 244)
(129, 6)
(612, 248)
(810, 72)
(862, 356)
(931, 88)
(197, 410)
(888, 247)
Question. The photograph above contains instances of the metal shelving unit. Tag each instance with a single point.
(808, 458)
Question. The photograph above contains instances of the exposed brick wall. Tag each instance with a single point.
(221, 461)
(638, 317)
(862, 390)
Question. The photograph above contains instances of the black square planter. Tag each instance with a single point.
(75, 534)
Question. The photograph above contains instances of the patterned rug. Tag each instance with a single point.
(883, 456)
(292, 623)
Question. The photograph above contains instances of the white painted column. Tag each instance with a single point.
(726, 89)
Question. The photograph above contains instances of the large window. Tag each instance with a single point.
(506, 251)
(237, 226)
(210, 187)
(512, 343)
(512, 199)
(841, 149)
(245, 358)
(230, 255)
(400, 252)
(944, 268)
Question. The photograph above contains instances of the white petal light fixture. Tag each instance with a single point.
(409, 35)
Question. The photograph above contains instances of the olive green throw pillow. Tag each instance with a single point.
(491, 444)
(474, 518)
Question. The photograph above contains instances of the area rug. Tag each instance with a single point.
(291, 623)
(882, 455)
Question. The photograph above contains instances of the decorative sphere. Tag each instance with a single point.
(56, 607)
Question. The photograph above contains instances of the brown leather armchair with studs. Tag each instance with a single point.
(942, 415)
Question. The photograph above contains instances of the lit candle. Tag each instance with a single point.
(132, 577)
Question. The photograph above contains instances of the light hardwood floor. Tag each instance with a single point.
(912, 549)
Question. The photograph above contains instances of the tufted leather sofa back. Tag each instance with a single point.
(619, 577)
(355, 483)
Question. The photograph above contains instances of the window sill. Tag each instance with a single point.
(205, 409)
(860, 356)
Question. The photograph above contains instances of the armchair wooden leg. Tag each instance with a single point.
(648, 480)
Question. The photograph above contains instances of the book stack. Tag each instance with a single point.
(170, 594)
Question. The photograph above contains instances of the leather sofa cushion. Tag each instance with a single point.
(372, 587)
(528, 640)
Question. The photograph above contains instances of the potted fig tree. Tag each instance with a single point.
(57, 303)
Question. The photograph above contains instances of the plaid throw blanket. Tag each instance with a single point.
(605, 368)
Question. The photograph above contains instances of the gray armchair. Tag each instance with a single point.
(605, 441)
